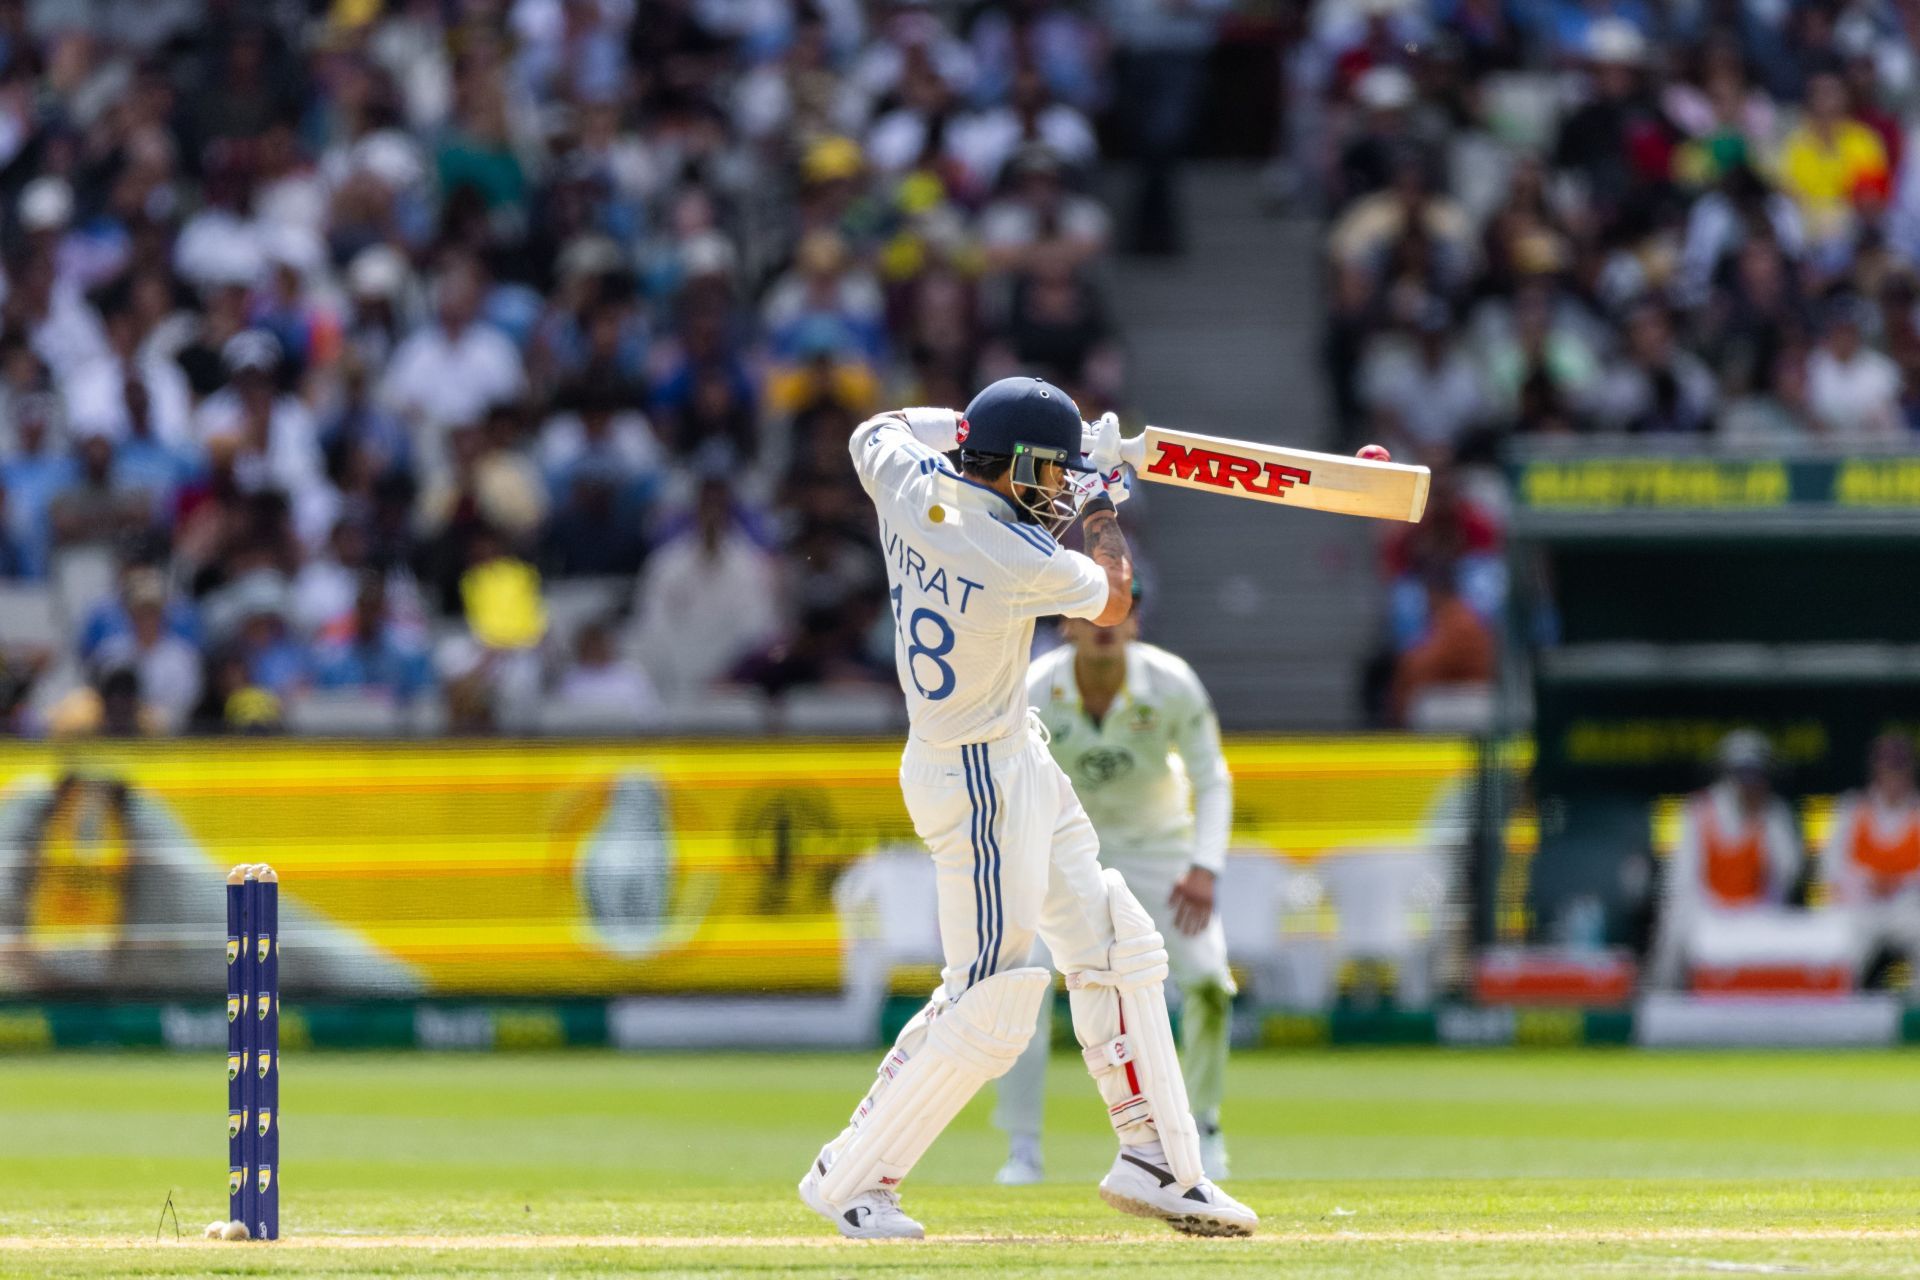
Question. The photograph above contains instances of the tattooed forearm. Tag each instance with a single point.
(1107, 547)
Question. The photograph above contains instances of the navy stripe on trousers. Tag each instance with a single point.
(996, 906)
(984, 802)
(979, 863)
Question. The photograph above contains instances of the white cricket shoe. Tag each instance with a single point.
(1213, 1153)
(871, 1215)
(1020, 1171)
(1146, 1190)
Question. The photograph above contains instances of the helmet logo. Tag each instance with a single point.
(961, 432)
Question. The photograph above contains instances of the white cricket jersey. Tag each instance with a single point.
(1151, 774)
(966, 578)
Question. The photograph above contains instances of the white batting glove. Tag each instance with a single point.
(1100, 442)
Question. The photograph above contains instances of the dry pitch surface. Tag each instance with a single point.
(1414, 1163)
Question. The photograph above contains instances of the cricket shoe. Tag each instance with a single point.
(871, 1215)
(1146, 1190)
(1020, 1171)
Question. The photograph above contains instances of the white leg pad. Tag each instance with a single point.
(971, 1041)
(1138, 1071)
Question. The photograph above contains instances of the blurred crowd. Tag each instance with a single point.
(337, 338)
(1564, 217)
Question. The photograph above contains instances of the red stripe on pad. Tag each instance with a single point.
(1133, 1081)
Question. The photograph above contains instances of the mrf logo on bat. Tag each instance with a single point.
(1225, 470)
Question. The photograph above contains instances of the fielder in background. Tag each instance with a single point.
(973, 560)
(1133, 728)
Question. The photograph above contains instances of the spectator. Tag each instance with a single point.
(599, 683)
(1458, 648)
(1655, 386)
(372, 649)
(128, 391)
(218, 246)
(274, 658)
(13, 556)
(1425, 391)
(1833, 165)
(95, 510)
(272, 432)
(450, 372)
(167, 665)
(596, 529)
(1057, 328)
(1618, 142)
(1853, 390)
(1038, 214)
(110, 707)
(1161, 48)
(34, 472)
(706, 600)
(825, 292)
(1061, 45)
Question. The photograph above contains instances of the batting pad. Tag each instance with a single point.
(973, 1040)
(1138, 1070)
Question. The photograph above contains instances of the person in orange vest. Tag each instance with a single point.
(1738, 849)
(1872, 862)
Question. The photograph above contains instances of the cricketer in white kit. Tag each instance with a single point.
(1133, 729)
(972, 561)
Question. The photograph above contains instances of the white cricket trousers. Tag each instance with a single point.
(1014, 856)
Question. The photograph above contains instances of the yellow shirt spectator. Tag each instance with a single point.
(504, 610)
(1831, 163)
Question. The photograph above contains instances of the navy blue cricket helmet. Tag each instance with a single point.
(1031, 421)
(1030, 412)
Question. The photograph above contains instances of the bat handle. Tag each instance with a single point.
(1133, 451)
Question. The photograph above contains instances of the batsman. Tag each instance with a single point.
(1133, 727)
(973, 560)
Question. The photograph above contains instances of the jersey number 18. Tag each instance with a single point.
(918, 649)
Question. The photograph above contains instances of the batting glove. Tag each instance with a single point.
(1100, 442)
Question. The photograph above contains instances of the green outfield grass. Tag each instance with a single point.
(1375, 1164)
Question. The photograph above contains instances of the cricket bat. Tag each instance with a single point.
(1270, 473)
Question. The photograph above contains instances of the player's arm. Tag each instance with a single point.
(1198, 742)
(1107, 547)
(891, 448)
(1197, 739)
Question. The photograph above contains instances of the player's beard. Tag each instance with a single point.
(1055, 512)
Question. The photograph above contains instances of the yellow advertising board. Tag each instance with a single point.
(538, 868)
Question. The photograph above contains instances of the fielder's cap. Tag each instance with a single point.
(1746, 751)
(1025, 412)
